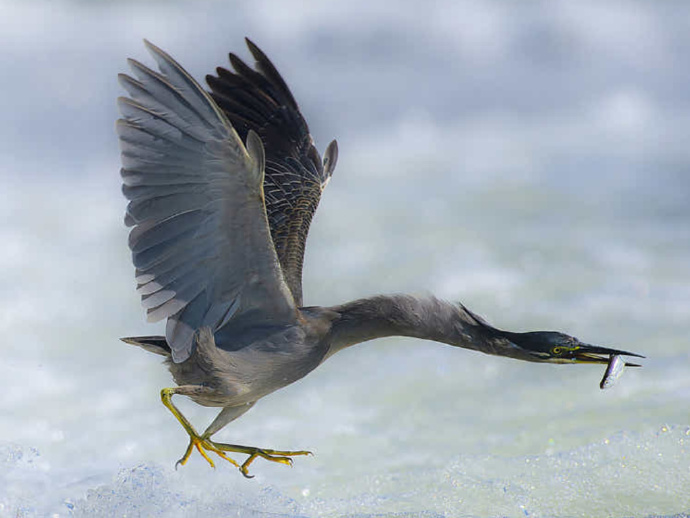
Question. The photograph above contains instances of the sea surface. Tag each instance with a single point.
(530, 160)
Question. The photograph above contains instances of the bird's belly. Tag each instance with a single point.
(233, 378)
(256, 374)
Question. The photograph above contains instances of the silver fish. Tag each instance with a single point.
(613, 371)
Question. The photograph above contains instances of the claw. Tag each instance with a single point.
(187, 454)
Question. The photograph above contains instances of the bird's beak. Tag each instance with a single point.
(593, 354)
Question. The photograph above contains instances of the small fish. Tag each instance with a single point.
(613, 371)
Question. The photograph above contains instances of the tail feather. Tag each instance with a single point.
(153, 344)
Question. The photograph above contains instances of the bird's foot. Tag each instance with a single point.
(203, 446)
(282, 457)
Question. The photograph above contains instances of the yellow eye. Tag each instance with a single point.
(557, 351)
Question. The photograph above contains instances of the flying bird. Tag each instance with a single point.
(222, 188)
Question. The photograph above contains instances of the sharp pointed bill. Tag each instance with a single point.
(555, 347)
(595, 354)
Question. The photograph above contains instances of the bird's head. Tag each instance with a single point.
(555, 347)
(544, 346)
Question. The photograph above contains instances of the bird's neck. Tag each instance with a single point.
(403, 315)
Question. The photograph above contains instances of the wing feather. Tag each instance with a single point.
(200, 241)
(259, 100)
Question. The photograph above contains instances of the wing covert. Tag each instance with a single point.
(259, 100)
(200, 241)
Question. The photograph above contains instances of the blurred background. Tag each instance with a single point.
(528, 159)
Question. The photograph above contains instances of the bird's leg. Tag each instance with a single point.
(229, 414)
(204, 444)
(195, 440)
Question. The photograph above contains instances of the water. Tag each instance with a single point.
(530, 162)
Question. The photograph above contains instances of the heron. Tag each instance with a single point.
(222, 186)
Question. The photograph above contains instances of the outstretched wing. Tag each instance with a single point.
(201, 243)
(259, 100)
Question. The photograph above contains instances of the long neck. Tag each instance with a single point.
(421, 317)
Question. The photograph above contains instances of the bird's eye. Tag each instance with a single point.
(556, 351)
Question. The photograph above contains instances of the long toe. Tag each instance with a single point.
(203, 446)
(187, 454)
(279, 456)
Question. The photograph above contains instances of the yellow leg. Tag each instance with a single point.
(195, 440)
(204, 444)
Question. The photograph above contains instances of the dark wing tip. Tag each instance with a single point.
(237, 63)
(253, 47)
(256, 98)
(270, 72)
(256, 52)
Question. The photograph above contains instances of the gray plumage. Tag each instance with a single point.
(201, 242)
(222, 188)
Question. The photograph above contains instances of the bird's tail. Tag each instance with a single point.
(153, 344)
